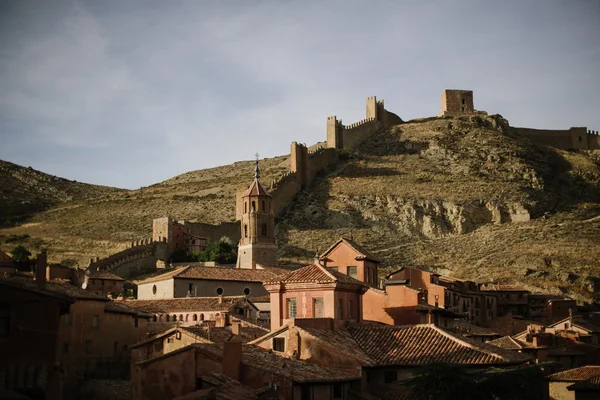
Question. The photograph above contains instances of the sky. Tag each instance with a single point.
(130, 93)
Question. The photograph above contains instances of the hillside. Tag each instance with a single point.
(441, 192)
(25, 191)
(435, 192)
(82, 228)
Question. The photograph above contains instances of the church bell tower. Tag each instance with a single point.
(257, 243)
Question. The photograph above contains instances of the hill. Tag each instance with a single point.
(464, 195)
(25, 191)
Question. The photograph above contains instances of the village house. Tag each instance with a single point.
(351, 259)
(87, 334)
(7, 268)
(196, 281)
(576, 384)
(104, 282)
(408, 288)
(315, 292)
(250, 365)
(511, 298)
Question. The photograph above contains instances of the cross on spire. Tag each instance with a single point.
(256, 171)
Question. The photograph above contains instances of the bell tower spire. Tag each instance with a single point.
(257, 244)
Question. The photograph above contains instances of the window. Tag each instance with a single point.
(190, 287)
(340, 310)
(135, 322)
(201, 317)
(337, 390)
(350, 309)
(246, 291)
(95, 321)
(318, 307)
(193, 241)
(352, 272)
(181, 317)
(68, 319)
(368, 376)
(102, 282)
(219, 291)
(253, 206)
(263, 202)
(89, 347)
(245, 230)
(306, 392)
(245, 207)
(334, 268)
(195, 317)
(390, 376)
(291, 308)
(154, 289)
(278, 344)
(580, 138)
(263, 229)
(115, 348)
(463, 101)
(168, 318)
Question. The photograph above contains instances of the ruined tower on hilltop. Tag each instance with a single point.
(257, 243)
(457, 102)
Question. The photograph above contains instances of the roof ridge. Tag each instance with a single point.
(467, 343)
(327, 272)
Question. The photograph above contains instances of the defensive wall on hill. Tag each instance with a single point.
(140, 257)
(305, 164)
(578, 138)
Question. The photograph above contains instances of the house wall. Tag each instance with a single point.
(342, 257)
(559, 391)
(165, 378)
(164, 290)
(208, 288)
(97, 285)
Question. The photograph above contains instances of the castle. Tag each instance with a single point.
(169, 234)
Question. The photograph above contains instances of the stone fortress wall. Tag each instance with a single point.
(578, 138)
(305, 164)
(140, 257)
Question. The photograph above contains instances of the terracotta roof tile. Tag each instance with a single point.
(426, 344)
(122, 308)
(104, 275)
(220, 274)
(182, 304)
(295, 370)
(591, 384)
(507, 343)
(63, 288)
(316, 274)
(256, 189)
(576, 374)
(362, 252)
(223, 388)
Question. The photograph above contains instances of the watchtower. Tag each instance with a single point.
(457, 102)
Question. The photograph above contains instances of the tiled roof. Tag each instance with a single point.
(503, 288)
(294, 370)
(426, 344)
(507, 343)
(256, 189)
(342, 341)
(260, 299)
(316, 274)
(5, 257)
(105, 275)
(222, 387)
(213, 334)
(61, 288)
(363, 254)
(591, 384)
(183, 304)
(122, 308)
(576, 374)
(25, 284)
(220, 274)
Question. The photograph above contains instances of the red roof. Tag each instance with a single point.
(316, 274)
(256, 189)
(576, 374)
(362, 253)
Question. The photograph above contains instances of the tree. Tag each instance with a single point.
(20, 254)
(443, 382)
(221, 252)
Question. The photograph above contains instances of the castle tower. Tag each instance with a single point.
(457, 102)
(257, 243)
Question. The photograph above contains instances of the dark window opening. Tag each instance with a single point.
(278, 344)
(219, 291)
(245, 207)
(263, 229)
(89, 347)
(340, 310)
(580, 138)
(263, 206)
(253, 206)
(390, 376)
(305, 392)
(195, 317)
(135, 323)
(318, 309)
(154, 289)
(247, 291)
(95, 321)
(190, 287)
(337, 390)
(245, 230)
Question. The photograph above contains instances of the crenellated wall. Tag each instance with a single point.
(140, 257)
(578, 138)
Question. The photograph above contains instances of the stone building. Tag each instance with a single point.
(195, 281)
(349, 258)
(257, 244)
(104, 282)
(457, 102)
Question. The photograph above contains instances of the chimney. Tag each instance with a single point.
(235, 328)
(40, 269)
(232, 359)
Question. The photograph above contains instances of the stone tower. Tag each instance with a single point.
(257, 243)
(457, 102)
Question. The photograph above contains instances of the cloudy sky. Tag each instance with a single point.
(129, 93)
